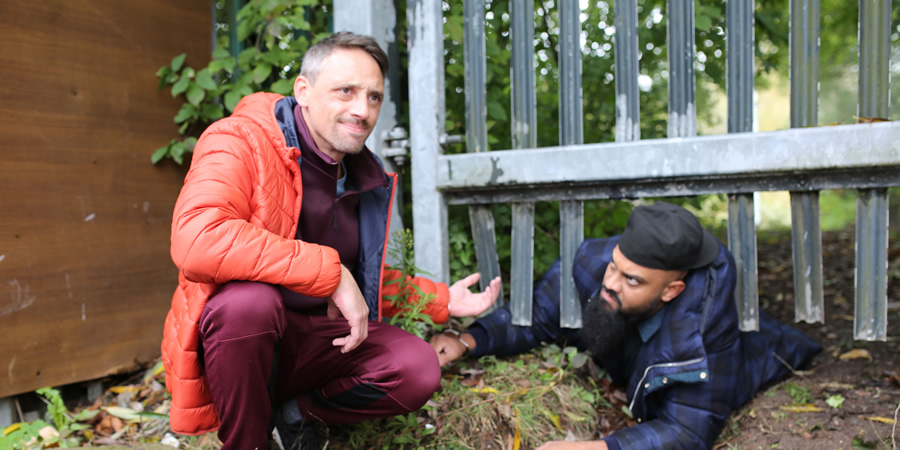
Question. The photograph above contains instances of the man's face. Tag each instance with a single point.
(629, 294)
(342, 106)
(636, 290)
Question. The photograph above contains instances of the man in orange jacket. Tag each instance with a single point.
(276, 317)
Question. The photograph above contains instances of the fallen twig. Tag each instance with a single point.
(799, 373)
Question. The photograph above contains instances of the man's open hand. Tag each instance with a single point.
(465, 303)
(348, 301)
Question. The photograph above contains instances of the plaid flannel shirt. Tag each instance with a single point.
(690, 375)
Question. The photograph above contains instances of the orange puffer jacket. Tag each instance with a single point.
(236, 219)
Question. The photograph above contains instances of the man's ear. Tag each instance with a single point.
(672, 290)
(301, 89)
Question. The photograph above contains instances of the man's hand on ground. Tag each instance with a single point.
(563, 445)
(465, 303)
(348, 301)
(448, 347)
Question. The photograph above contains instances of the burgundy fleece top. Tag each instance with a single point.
(327, 217)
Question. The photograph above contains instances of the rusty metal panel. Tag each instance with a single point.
(85, 272)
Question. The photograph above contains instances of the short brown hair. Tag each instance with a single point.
(312, 60)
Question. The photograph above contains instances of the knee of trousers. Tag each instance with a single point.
(421, 373)
(243, 308)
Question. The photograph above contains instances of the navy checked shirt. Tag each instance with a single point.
(689, 375)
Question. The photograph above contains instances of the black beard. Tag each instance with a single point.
(604, 328)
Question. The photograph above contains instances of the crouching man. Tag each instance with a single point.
(659, 315)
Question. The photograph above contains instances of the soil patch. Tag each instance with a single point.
(860, 379)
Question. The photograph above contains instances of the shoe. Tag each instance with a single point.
(287, 436)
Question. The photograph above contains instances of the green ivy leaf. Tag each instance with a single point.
(205, 80)
(177, 153)
(178, 61)
(195, 94)
(283, 87)
(217, 65)
(261, 73)
(232, 98)
(163, 72)
(190, 143)
(220, 53)
(702, 23)
(496, 111)
(181, 86)
(211, 112)
(246, 57)
(455, 28)
(161, 153)
(245, 27)
(186, 112)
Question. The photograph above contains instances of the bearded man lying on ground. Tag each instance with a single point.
(659, 315)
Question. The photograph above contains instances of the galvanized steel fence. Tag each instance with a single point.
(801, 160)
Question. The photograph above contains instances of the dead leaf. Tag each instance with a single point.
(47, 433)
(117, 424)
(553, 418)
(121, 389)
(517, 440)
(870, 119)
(122, 413)
(835, 386)
(484, 390)
(880, 419)
(808, 407)
(857, 353)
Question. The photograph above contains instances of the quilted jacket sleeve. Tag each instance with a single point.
(496, 335)
(229, 220)
(417, 287)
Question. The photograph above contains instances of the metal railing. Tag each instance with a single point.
(801, 160)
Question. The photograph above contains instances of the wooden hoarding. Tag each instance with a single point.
(85, 273)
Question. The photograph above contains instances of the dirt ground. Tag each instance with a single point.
(868, 384)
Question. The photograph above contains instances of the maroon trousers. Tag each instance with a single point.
(392, 372)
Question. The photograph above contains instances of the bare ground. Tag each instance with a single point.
(869, 383)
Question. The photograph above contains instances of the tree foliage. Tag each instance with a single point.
(271, 37)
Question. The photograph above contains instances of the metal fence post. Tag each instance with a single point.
(524, 135)
(571, 212)
(426, 104)
(870, 318)
(682, 104)
(481, 217)
(806, 232)
(741, 221)
(628, 110)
